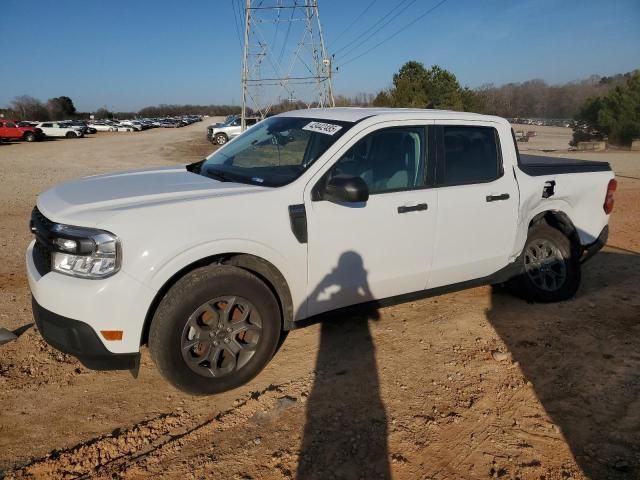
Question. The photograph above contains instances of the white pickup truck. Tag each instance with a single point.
(307, 212)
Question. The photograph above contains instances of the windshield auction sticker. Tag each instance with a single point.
(319, 127)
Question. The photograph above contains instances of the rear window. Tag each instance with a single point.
(471, 155)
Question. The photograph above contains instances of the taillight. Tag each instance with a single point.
(608, 200)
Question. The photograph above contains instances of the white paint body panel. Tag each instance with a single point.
(168, 218)
(57, 131)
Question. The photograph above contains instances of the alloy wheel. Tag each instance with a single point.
(221, 336)
(545, 265)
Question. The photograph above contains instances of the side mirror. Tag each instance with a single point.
(346, 188)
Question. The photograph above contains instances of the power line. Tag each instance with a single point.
(286, 37)
(236, 21)
(356, 19)
(398, 32)
(384, 17)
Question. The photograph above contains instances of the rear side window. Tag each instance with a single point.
(471, 155)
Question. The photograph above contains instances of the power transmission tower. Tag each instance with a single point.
(284, 57)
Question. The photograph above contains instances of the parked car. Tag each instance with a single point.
(25, 123)
(221, 134)
(10, 130)
(170, 123)
(103, 127)
(60, 129)
(134, 125)
(305, 213)
(79, 124)
(124, 128)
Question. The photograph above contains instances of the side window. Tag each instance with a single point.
(11, 125)
(387, 160)
(471, 155)
(47, 125)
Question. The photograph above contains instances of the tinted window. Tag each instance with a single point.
(11, 125)
(387, 160)
(471, 155)
(47, 125)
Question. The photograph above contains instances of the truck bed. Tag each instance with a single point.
(535, 165)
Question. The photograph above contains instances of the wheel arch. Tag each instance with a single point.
(263, 269)
(560, 221)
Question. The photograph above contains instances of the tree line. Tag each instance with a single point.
(604, 107)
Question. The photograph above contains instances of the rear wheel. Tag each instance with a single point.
(71, 135)
(221, 139)
(551, 266)
(215, 330)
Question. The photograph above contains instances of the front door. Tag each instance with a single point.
(382, 247)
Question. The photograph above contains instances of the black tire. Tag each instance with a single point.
(551, 278)
(221, 139)
(177, 324)
(30, 137)
(71, 135)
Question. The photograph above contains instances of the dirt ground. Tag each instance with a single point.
(474, 384)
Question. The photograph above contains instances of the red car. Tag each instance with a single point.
(9, 130)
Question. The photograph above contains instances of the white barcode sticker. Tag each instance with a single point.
(319, 127)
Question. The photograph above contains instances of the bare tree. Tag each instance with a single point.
(29, 108)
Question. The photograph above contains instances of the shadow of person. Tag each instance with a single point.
(583, 360)
(345, 434)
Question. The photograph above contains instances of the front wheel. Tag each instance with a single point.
(221, 138)
(215, 330)
(30, 137)
(551, 267)
(71, 135)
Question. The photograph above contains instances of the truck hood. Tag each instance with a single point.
(90, 200)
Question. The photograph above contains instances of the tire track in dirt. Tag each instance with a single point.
(121, 450)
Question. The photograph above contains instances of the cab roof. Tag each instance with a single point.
(355, 114)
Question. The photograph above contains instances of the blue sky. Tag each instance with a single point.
(127, 55)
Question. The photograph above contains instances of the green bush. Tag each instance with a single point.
(615, 116)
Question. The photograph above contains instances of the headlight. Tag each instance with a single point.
(84, 252)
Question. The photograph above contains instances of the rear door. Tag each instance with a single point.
(477, 204)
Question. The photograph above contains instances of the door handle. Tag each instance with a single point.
(495, 198)
(415, 208)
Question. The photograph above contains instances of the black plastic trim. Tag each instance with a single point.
(593, 248)
(510, 271)
(298, 219)
(536, 166)
(80, 340)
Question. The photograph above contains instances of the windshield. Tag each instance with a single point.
(273, 152)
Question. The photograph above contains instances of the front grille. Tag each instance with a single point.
(41, 227)
(41, 258)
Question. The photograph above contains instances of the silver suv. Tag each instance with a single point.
(221, 133)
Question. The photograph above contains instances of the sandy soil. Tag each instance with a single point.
(475, 384)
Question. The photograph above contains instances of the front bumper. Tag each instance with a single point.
(119, 302)
(593, 248)
(80, 340)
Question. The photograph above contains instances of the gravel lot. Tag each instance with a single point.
(474, 384)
